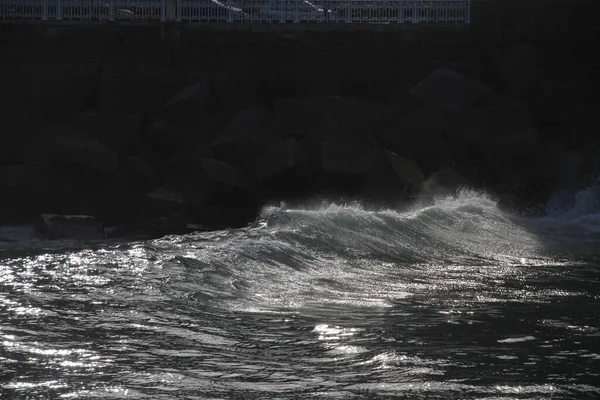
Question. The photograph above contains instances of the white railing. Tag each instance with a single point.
(252, 11)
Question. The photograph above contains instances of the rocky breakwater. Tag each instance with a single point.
(217, 151)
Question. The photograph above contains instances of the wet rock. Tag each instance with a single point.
(394, 180)
(407, 171)
(450, 90)
(165, 211)
(444, 182)
(249, 133)
(78, 227)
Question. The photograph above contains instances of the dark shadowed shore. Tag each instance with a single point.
(168, 129)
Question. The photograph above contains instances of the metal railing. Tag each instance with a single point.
(249, 11)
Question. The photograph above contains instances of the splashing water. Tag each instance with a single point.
(454, 300)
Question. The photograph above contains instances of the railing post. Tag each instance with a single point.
(44, 10)
(400, 11)
(468, 16)
(59, 10)
(282, 13)
(172, 11)
(111, 10)
(416, 18)
(348, 12)
(229, 14)
(296, 11)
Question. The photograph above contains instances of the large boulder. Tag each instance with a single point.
(140, 173)
(114, 130)
(282, 170)
(113, 201)
(28, 191)
(355, 118)
(519, 70)
(17, 135)
(500, 121)
(189, 119)
(558, 102)
(249, 133)
(444, 182)
(194, 98)
(80, 155)
(78, 227)
(347, 159)
(304, 116)
(207, 184)
(230, 90)
(450, 90)
(394, 179)
(165, 211)
(419, 136)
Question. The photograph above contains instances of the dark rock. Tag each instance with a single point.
(249, 133)
(355, 118)
(443, 183)
(142, 175)
(499, 117)
(407, 171)
(347, 159)
(114, 130)
(207, 184)
(419, 136)
(165, 211)
(394, 180)
(193, 99)
(558, 102)
(450, 90)
(518, 67)
(79, 227)
(223, 173)
(553, 166)
(28, 191)
(17, 135)
(234, 90)
(299, 117)
(283, 170)
(187, 121)
(79, 155)
(114, 201)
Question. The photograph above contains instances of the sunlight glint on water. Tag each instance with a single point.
(454, 300)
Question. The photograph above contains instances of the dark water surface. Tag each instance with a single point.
(453, 301)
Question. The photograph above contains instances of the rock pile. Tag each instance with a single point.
(210, 159)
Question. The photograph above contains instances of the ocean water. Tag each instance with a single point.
(454, 300)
